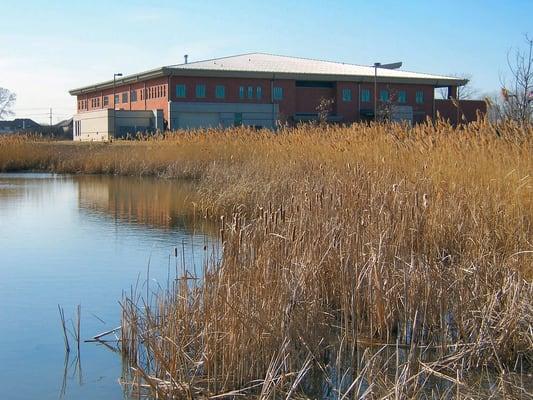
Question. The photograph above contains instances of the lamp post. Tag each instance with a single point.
(377, 65)
(114, 103)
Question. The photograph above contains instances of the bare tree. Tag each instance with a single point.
(7, 100)
(518, 95)
(324, 109)
(465, 92)
(386, 106)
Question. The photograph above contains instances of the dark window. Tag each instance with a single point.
(220, 92)
(180, 90)
(125, 97)
(106, 101)
(200, 91)
(133, 95)
(315, 84)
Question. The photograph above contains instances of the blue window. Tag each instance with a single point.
(258, 92)
(200, 91)
(125, 97)
(365, 95)
(241, 92)
(419, 97)
(384, 95)
(180, 90)
(250, 92)
(402, 96)
(346, 94)
(278, 93)
(116, 99)
(220, 91)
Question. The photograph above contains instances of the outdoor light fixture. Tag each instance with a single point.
(377, 65)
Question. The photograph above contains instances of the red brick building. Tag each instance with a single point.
(260, 90)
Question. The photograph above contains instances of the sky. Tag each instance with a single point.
(48, 47)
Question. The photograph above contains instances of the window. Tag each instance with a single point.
(133, 95)
(125, 97)
(384, 95)
(237, 119)
(106, 101)
(250, 92)
(278, 93)
(365, 95)
(419, 97)
(164, 91)
(116, 99)
(159, 91)
(98, 102)
(220, 91)
(346, 94)
(402, 96)
(180, 90)
(241, 92)
(315, 84)
(200, 91)
(258, 92)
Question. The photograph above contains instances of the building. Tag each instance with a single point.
(257, 90)
(19, 125)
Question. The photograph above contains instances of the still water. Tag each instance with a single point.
(80, 240)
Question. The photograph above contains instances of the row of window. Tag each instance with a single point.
(384, 95)
(248, 92)
(145, 94)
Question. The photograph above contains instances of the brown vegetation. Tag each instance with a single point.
(385, 260)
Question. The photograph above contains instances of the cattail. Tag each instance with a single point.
(425, 200)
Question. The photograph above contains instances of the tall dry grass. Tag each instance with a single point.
(378, 261)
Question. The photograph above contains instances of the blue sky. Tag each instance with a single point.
(48, 47)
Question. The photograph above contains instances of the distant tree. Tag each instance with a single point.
(7, 100)
(518, 94)
(465, 92)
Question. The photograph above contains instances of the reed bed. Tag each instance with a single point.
(375, 261)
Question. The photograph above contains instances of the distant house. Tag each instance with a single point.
(19, 125)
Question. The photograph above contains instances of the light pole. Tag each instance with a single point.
(114, 104)
(377, 65)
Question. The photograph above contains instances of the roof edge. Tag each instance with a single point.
(152, 73)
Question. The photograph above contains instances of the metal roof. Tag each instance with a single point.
(262, 65)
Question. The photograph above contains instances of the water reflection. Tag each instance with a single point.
(73, 240)
(162, 204)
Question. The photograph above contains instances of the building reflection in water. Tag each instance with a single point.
(159, 203)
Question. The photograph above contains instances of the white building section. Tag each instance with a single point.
(101, 125)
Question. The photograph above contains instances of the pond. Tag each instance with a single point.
(82, 240)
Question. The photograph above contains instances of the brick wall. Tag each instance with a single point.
(155, 94)
(467, 111)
